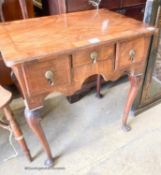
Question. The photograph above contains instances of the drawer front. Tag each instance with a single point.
(85, 56)
(45, 76)
(132, 52)
(127, 3)
(103, 67)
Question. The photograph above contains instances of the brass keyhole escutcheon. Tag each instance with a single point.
(132, 55)
(94, 56)
(49, 75)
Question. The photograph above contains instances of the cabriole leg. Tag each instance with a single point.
(33, 120)
(135, 82)
(98, 88)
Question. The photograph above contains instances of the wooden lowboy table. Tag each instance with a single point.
(58, 53)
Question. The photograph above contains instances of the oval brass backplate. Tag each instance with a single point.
(94, 56)
(132, 55)
(49, 75)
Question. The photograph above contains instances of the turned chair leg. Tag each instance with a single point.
(135, 82)
(16, 131)
(98, 87)
(33, 121)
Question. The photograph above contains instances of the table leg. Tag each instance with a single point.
(16, 131)
(33, 120)
(98, 87)
(134, 81)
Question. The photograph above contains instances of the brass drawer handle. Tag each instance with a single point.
(49, 75)
(94, 56)
(132, 55)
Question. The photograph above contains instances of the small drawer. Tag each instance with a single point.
(93, 55)
(43, 76)
(103, 67)
(132, 52)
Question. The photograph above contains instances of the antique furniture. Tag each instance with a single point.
(132, 8)
(150, 89)
(12, 10)
(58, 53)
(5, 97)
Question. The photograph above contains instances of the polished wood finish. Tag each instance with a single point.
(5, 97)
(132, 8)
(58, 54)
(125, 48)
(98, 87)
(33, 121)
(61, 74)
(83, 57)
(55, 40)
(135, 82)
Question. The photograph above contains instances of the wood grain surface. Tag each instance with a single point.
(31, 39)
